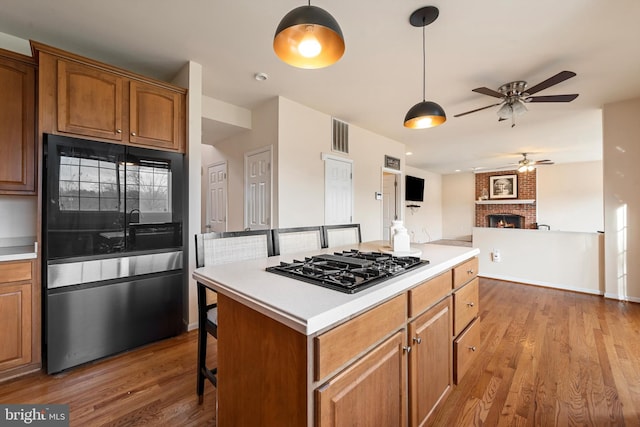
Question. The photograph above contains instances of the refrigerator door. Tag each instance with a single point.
(83, 200)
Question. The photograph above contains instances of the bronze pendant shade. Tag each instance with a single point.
(309, 37)
(424, 114)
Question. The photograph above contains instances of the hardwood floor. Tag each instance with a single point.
(548, 358)
(152, 386)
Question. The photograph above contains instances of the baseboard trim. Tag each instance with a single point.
(544, 284)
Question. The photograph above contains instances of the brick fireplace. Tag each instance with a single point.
(524, 205)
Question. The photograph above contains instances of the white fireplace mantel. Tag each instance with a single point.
(506, 202)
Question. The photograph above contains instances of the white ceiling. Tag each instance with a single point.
(472, 44)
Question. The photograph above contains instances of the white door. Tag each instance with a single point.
(257, 212)
(217, 198)
(338, 189)
(389, 202)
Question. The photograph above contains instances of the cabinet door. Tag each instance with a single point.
(371, 392)
(430, 370)
(465, 301)
(90, 101)
(155, 117)
(15, 314)
(17, 127)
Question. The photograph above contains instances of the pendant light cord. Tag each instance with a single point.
(424, 62)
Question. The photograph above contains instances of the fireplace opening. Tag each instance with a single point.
(505, 221)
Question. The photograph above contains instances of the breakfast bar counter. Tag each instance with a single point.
(297, 354)
(308, 308)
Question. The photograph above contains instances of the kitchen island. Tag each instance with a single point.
(296, 354)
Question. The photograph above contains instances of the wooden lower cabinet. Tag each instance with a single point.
(430, 360)
(371, 392)
(465, 349)
(15, 315)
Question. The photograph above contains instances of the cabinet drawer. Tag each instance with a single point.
(465, 350)
(465, 306)
(339, 345)
(428, 293)
(465, 272)
(15, 271)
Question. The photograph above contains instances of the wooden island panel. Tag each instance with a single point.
(262, 369)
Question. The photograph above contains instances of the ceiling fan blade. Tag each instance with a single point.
(552, 98)
(487, 91)
(558, 78)
(477, 109)
(543, 162)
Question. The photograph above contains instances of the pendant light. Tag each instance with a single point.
(309, 37)
(424, 114)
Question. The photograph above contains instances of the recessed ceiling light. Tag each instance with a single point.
(261, 77)
(409, 153)
(457, 170)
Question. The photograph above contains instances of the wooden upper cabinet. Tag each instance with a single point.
(89, 101)
(155, 117)
(17, 124)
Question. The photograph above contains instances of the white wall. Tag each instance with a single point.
(557, 259)
(299, 135)
(190, 76)
(569, 196)
(621, 153)
(458, 207)
(424, 224)
(264, 133)
(19, 222)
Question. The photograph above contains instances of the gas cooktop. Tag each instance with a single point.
(348, 271)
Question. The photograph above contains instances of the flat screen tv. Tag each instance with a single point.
(414, 189)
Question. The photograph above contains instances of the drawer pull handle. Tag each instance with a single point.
(469, 271)
(473, 348)
(118, 130)
(470, 304)
(133, 134)
(417, 340)
(406, 348)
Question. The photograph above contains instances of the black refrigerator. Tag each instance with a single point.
(112, 249)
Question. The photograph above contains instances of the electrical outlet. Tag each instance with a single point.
(495, 256)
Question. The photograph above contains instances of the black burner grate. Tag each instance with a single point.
(349, 271)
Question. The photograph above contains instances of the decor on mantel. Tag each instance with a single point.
(503, 187)
(424, 114)
(309, 37)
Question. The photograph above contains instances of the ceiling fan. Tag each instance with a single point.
(527, 165)
(514, 95)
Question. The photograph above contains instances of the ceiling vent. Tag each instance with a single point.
(340, 140)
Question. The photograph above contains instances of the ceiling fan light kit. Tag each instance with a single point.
(514, 95)
(424, 114)
(526, 165)
(309, 37)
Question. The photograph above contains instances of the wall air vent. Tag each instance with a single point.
(340, 140)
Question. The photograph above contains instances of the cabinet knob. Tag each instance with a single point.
(406, 348)
(417, 340)
(470, 304)
(118, 130)
(133, 134)
(473, 348)
(469, 271)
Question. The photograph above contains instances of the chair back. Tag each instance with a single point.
(341, 235)
(232, 246)
(297, 239)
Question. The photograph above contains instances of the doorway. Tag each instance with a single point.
(217, 197)
(338, 190)
(257, 189)
(390, 200)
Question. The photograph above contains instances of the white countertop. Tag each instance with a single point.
(309, 308)
(15, 253)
